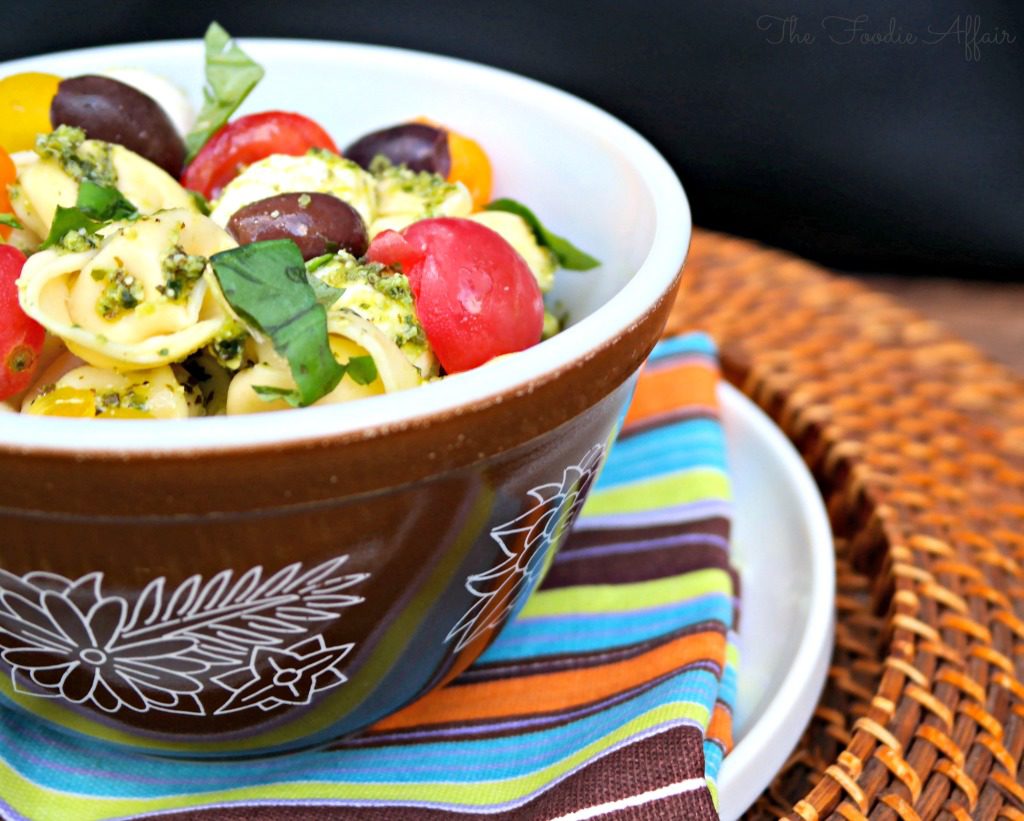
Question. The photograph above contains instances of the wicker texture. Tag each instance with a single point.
(917, 441)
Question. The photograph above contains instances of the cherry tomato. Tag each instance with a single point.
(25, 108)
(474, 295)
(72, 402)
(247, 140)
(469, 164)
(21, 338)
(8, 174)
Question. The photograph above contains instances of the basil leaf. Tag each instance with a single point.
(103, 203)
(66, 220)
(326, 294)
(201, 203)
(266, 284)
(10, 220)
(96, 206)
(569, 256)
(230, 75)
(268, 393)
(362, 369)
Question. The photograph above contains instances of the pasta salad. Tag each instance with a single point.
(155, 265)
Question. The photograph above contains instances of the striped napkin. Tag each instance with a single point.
(609, 695)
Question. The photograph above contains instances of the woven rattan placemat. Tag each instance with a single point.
(916, 439)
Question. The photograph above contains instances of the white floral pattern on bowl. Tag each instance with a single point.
(525, 542)
(257, 636)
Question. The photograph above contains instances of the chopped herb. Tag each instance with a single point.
(201, 203)
(230, 75)
(74, 226)
(66, 145)
(267, 286)
(569, 256)
(229, 345)
(10, 220)
(181, 272)
(122, 293)
(326, 294)
(360, 369)
(318, 262)
(104, 202)
(208, 379)
(269, 393)
(97, 206)
(304, 200)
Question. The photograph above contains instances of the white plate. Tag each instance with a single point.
(782, 544)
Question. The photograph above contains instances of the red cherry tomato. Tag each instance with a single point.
(21, 338)
(247, 140)
(475, 296)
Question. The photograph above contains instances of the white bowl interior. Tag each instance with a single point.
(588, 177)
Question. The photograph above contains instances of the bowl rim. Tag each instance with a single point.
(455, 395)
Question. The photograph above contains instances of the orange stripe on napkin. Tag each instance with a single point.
(661, 390)
(720, 727)
(550, 692)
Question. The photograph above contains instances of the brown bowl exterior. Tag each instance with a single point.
(265, 599)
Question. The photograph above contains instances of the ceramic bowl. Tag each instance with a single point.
(243, 585)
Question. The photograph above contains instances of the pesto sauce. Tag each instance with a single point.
(66, 145)
(432, 190)
(75, 242)
(387, 282)
(122, 293)
(228, 345)
(342, 270)
(135, 398)
(181, 273)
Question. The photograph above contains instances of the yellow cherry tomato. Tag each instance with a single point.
(65, 402)
(25, 108)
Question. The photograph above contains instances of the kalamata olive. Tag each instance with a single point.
(114, 112)
(421, 147)
(318, 223)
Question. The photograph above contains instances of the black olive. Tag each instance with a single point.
(318, 223)
(420, 147)
(114, 112)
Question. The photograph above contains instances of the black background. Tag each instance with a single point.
(893, 156)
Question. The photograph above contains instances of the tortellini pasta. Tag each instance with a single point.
(391, 197)
(349, 336)
(405, 196)
(87, 391)
(44, 182)
(318, 171)
(143, 299)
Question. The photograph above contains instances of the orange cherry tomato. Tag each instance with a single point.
(8, 174)
(470, 164)
(25, 108)
(471, 167)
